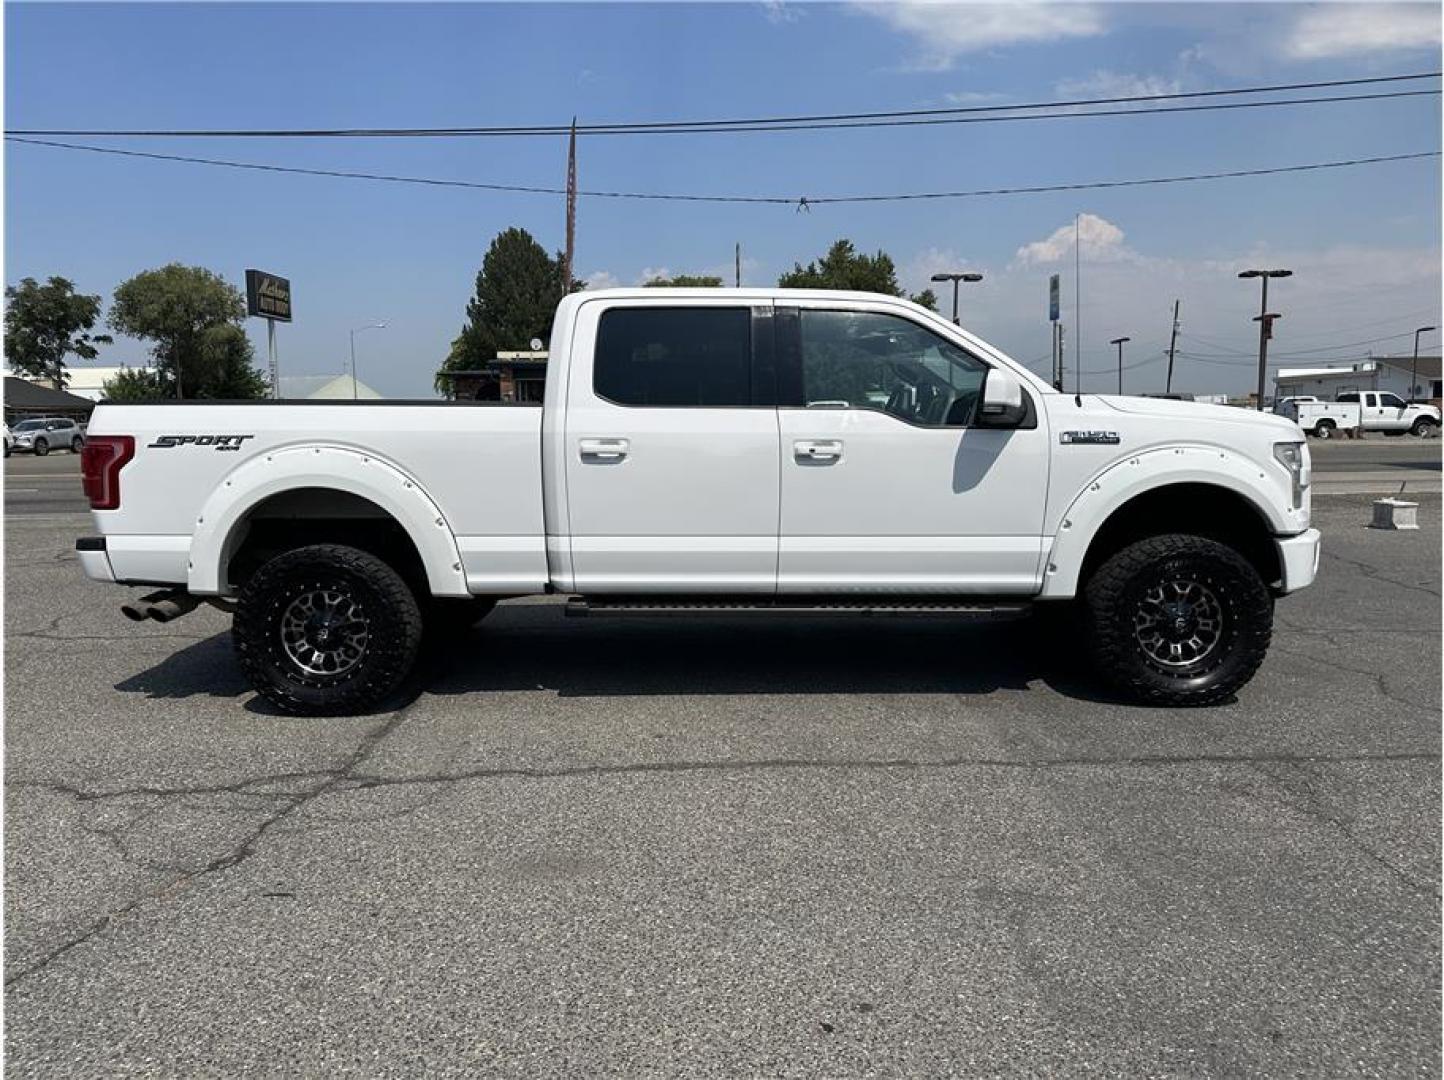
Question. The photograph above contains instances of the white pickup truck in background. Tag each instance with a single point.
(752, 450)
(1362, 410)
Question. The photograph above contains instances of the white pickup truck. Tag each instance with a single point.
(1362, 410)
(706, 451)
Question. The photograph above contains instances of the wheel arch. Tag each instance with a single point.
(314, 489)
(1203, 492)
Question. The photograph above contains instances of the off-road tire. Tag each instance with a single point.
(447, 616)
(1324, 429)
(1117, 596)
(1423, 427)
(77, 444)
(387, 606)
(41, 447)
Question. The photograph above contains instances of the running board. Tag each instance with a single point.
(653, 606)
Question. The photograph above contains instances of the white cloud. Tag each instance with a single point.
(600, 279)
(945, 31)
(650, 272)
(972, 97)
(777, 12)
(915, 275)
(1099, 238)
(1333, 30)
(1109, 84)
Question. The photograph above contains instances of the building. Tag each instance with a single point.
(518, 375)
(85, 382)
(344, 387)
(1390, 373)
(24, 399)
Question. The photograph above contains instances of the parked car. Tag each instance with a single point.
(1282, 405)
(44, 434)
(8, 440)
(761, 451)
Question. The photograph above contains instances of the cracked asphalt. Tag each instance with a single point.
(592, 847)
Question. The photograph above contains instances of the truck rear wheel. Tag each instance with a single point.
(1324, 429)
(1178, 620)
(326, 629)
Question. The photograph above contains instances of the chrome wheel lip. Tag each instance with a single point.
(1178, 622)
(324, 631)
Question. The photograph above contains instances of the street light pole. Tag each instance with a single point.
(1414, 370)
(1119, 342)
(955, 278)
(1265, 322)
(359, 330)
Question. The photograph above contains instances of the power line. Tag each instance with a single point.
(1322, 352)
(1060, 109)
(802, 202)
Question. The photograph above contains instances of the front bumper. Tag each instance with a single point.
(1298, 560)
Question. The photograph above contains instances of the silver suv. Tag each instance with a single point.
(47, 433)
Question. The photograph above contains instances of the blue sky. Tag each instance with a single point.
(1364, 243)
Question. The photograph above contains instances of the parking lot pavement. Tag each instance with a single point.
(720, 847)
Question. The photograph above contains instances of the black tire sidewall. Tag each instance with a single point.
(1324, 430)
(391, 611)
(1247, 611)
(75, 444)
(41, 447)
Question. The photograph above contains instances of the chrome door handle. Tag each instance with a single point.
(603, 449)
(817, 449)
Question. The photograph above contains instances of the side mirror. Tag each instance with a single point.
(1003, 403)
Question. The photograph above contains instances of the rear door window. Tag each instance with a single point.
(680, 357)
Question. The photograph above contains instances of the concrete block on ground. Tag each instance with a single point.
(1395, 514)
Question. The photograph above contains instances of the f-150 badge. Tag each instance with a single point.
(1109, 437)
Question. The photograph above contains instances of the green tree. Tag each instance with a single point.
(684, 281)
(844, 268)
(135, 384)
(192, 317)
(46, 323)
(517, 289)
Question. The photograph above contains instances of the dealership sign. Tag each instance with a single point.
(268, 296)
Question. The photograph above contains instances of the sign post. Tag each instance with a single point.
(268, 296)
(1057, 342)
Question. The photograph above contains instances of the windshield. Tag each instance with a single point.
(29, 425)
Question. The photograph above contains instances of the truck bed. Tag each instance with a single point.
(481, 464)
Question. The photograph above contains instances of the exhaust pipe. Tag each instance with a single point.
(161, 606)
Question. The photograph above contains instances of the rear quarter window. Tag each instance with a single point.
(675, 357)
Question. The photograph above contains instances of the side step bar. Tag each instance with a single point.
(654, 606)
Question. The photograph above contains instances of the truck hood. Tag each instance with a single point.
(1183, 411)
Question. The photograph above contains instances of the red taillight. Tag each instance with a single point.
(101, 460)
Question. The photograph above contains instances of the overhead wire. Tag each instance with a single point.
(800, 202)
(1053, 109)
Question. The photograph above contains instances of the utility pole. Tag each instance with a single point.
(568, 269)
(1414, 370)
(1265, 320)
(1172, 341)
(1119, 342)
(739, 265)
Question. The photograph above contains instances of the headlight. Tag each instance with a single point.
(1294, 456)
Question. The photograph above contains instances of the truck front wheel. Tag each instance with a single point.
(1424, 427)
(1178, 620)
(326, 629)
